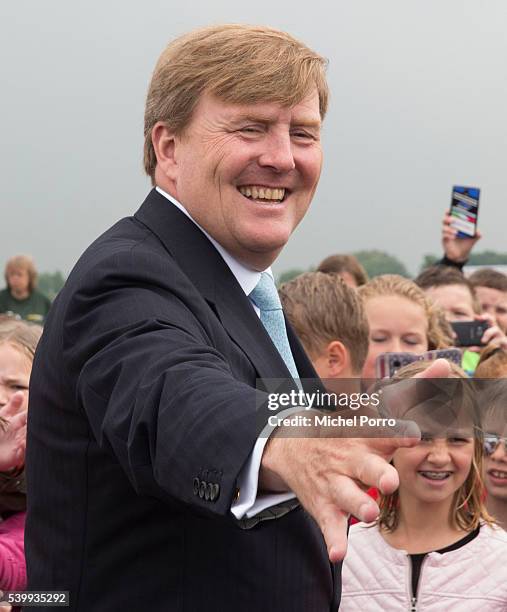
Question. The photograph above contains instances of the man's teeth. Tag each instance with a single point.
(498, 474)
(436, 475)
(262, 193)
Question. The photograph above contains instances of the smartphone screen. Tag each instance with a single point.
(387, 364)
(464, 210)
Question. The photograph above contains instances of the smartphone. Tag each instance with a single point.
(464, 210)
(387, 364)
(469, 333)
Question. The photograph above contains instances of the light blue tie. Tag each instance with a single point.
(265, 297)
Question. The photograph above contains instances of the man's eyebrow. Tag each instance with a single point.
(268, 120)
(310, 123)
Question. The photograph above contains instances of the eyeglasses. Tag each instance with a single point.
(491, 442)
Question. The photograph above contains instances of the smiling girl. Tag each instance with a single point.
(434, 546)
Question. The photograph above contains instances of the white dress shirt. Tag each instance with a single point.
(250, 501)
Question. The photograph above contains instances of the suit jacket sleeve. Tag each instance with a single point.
(146, 357)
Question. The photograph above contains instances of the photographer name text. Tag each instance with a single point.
(326, 420)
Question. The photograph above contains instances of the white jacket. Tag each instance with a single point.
(377, 577)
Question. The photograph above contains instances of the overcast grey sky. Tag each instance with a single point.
(419, 103)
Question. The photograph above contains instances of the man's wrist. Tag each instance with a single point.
(269, 480)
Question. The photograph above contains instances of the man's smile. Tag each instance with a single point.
(262, 193)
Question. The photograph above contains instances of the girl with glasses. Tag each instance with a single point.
(493, 365)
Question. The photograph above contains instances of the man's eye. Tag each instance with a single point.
(251, 129)
(378, 339)
(303, 135)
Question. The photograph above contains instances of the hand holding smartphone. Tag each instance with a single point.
(464, 210)
(469, 333)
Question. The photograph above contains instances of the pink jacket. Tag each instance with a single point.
(12, 553)
(376, 576)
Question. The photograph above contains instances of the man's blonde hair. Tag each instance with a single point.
(22, 262)
(240, 64)
(322, 308)
(439, 330)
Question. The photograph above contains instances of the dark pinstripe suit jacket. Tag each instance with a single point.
(142, 414)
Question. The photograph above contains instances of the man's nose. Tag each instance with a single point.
(278, 153)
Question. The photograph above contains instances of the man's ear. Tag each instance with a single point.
(338, 358)
(164, 145)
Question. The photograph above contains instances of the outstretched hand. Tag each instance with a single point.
(456, 249)
(328, 474)
(13, 433)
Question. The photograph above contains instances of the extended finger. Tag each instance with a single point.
(485, 316)
(492, 333)
(333, 524)
(449, 232)
(374, 471)
(13, 405)
(21, 435)
(440, 368)
(18, 420)
(352, 499)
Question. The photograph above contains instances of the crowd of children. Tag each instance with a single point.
(439, 541)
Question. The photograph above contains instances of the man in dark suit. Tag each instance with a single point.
(152, 484)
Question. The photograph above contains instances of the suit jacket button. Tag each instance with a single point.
(209, 489)
(202, 488)
(196, 486)
(215, 492)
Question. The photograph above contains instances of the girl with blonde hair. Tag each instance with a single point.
(434, 546)
(401, 319)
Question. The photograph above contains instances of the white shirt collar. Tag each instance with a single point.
(246, 277)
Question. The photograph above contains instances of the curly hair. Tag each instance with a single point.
(439, 330)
